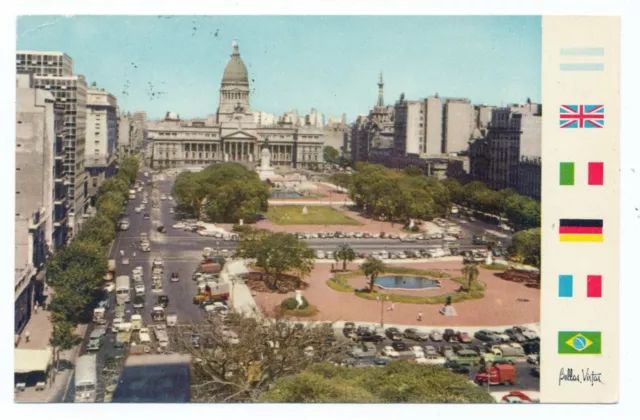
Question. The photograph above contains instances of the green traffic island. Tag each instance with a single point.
(308, 215)
(340, 283)
(291, 307)
(495, 266)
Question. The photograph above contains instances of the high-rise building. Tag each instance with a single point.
(495, 160)
(409, 128)
(433, 126)
(139, 130)
(102, 136)
(41, 204)
(53, 71)
(531, 140)
(125, 133)
(458, 125)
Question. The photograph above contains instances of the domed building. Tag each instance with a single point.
(235, 133)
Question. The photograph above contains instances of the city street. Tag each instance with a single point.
(181, 251)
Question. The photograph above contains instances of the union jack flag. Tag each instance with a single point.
(581, 116)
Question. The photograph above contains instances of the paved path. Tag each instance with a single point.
(39, 328)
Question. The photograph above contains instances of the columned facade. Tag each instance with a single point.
(232, 134)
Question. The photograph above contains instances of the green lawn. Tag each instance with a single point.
(317, 215)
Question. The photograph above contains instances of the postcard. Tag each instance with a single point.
(317, 209)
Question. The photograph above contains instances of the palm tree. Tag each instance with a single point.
(345, 253)
(372, 267)
(471, 273)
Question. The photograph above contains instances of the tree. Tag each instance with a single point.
(99, 229)
(278, 253)
(238, 360)
(372, 268)
(525, 247)
(62, 339)
(413, 171)
(231, 192)
(398, 382)
(341, 179)
(345, 253)
(471, 274)
(330, 154)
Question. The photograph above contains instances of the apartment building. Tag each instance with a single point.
(409, 128)
(53, 71)
(41, 211)
(102, 136)
(459, 122)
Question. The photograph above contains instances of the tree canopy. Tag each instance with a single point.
(525, 247)
(398, 382)
(277, 253)
(238, 361)
(231, 192)
(372, 268)
(330, 154)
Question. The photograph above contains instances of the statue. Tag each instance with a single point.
(226, 157)
(299, 298)
(265, 158)
(489, 259)
(447, 309)
(305, 210)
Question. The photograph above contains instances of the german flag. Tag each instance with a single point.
(581, 230)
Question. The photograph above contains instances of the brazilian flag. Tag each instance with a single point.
(579, 342)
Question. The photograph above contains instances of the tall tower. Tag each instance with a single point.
(380, 92)
(234, 89)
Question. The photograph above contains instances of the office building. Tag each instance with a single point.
(53, 71)
(459, 122)
(41, 212)
(102, 136)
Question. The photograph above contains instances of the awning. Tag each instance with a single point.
(30, 360)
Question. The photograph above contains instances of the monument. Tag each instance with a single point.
(489, 259)
(264, 170)
(447, 309)
(305, 210)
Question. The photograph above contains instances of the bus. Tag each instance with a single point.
(85, 379)
(123, 289)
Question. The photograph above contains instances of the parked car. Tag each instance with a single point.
(414, 334)
(435, 335)
(454, 367)
(146, 216)
(535, 372)
(163, 300)
(484, 335)
(531, 347)
(175, 277)
(417, 352)
(393, 334)
(139, 288)
(449, 336)
(463, 337)
(515, 335)
(430, 351)
(534, 359)
(373, 338)
(527, 332)
(138, 302)
(399, 345)
(348, 329)
(389, 352)
(320, 254)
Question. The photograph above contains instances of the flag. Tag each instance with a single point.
(582, 59)
(581, 116)
(595, 173)
(579, 342)
(593, 286)
(581, 230)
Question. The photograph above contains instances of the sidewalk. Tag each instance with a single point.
(40, 328)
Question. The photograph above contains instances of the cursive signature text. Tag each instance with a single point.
(582, 376)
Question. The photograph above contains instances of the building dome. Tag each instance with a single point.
(235, 72)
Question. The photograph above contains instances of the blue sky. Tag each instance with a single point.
(330, 63)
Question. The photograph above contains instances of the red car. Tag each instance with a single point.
(463, 337)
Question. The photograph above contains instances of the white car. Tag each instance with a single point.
(139, 288)
(533, 359)
(417, 351)
(163, 197)
(145, 201)
(170, 198)
(178, 226)
(320, 254)
(432, 360)
(109, 287)
(329, 255)
(171, 211)
(389, 352)
(115, 325)
(449, 238)
(138, 209)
